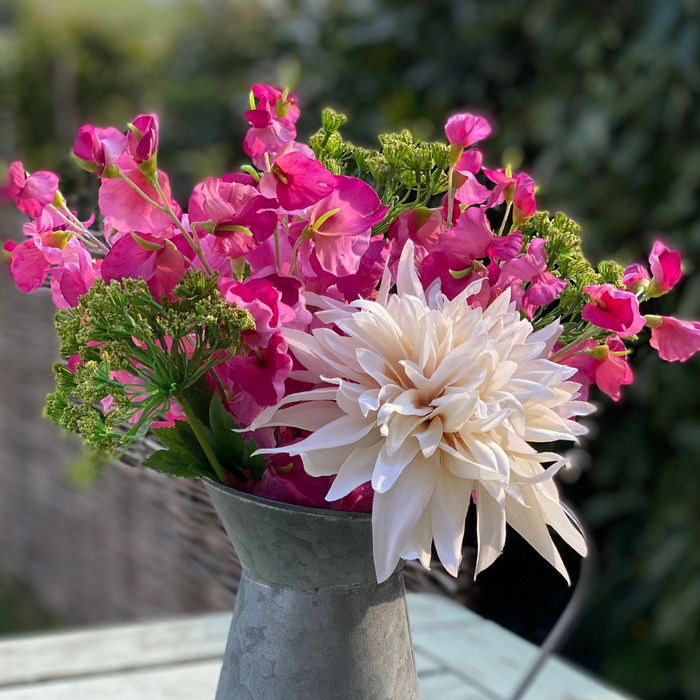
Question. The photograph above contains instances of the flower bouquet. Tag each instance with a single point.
(331, 332)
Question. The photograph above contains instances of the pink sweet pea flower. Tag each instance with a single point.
(263, 372)
(436, 266)
(613, 309)
(519, 189)
(341, 225)
(468, 190)
(466, 129)
(274, 303)
(308, 269)
(126, 209)
(32, 193)
(240, 216)
(297, 181)
(363, 284)
(286, 481)
(97, 148)
(674, 339)
(161, 262)
(665, 269)
(47, 246)
(524, 205)
(73, 279)
(532, 268)
(196, 209)
(635, 278)
(143, 138)
(272, 122)
(600, 364)
(472, 239)
(420, 225)
(263, 259)
(28, 266)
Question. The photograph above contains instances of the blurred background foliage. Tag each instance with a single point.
(598, 100)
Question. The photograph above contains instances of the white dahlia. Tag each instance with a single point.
(432, 401)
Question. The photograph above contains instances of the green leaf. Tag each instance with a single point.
(170, 437)
(230, 447)
(178, 464)
(256, 466)
(199, 396)
(190, 442)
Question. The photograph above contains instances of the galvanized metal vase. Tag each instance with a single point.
(311, 622)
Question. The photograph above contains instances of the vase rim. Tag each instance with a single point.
(279, 505)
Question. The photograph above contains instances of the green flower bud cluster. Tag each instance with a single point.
(165, 347)
(331, 121)
(405, 174)
(565, 258)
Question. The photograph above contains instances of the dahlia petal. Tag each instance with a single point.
(491, 529)
(527, 521)
(449, 508)
(389, 466)
(354, 471)
(418, 545)
(407, 281)
(396, 512)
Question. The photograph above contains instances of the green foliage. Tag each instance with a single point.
(165, 346)
(184, 456)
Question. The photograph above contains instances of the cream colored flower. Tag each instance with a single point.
(432, 400)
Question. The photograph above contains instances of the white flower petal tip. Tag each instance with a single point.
(437, 404)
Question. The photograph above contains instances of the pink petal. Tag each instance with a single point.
(28, 266)
(665, 266)
(675, 339)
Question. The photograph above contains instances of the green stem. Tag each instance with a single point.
(297, 243)
(193, 242)
(201, 438)
(505, 218)
(450, 198)
(586, 335)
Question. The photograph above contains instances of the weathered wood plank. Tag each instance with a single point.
(121, 648)
(459, 655)
(194, 681)
(492, 660)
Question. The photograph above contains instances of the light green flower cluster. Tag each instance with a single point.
(162, 349)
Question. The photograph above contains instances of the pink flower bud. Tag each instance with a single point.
(665, 267)
(97, 148)
(143, 138)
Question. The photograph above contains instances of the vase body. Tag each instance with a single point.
(310, 621)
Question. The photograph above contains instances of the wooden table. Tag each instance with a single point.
(460, 656)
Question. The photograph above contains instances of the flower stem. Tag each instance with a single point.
(505, 218)
(293, 268)
(79, 231)
(193, 242)
(586, 335)
(201, 438)
(450, 198)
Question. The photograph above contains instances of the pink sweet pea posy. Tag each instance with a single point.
(310, 241)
